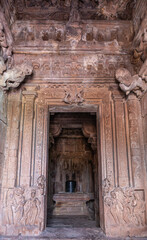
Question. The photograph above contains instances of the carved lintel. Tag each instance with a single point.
(29, 95)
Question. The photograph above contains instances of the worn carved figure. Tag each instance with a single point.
(12, 78)
(135, 83)
(126, 207)
(32, 209)
(41, 184)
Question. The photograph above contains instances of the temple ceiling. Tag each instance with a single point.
(60, 9)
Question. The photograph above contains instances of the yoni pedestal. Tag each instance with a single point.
(72, 203)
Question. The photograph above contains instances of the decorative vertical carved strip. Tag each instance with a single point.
(20, 144)
(131, 184)
(135, 139)
(39, 142)
(121, 144)
(27, 140)
(108, 142)
(115, 162)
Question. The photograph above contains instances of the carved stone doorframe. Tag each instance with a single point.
(91, 108)
(121, 182)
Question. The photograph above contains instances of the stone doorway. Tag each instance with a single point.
(73, 157)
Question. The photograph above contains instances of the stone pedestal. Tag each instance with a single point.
(72, 203)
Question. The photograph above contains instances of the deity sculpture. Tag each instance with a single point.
(32, 209)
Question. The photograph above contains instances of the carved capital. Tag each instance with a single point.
(29, 95)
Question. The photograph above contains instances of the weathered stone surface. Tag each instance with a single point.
(75, 51)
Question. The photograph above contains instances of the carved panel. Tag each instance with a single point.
(23, 209)
(38, 142)
(125, 207)
(109, 36)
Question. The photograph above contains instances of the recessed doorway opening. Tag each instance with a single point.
(73, 189)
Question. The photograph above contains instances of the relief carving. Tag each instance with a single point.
(41, 184)
(32, 210)
(140, 40)
(23, 207)
(126, 207)
(73, 29)
(5, 40)
(12, 78)
(73, 98)
(136, 84)
(14, 206)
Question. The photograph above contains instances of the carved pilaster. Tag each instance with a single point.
(26, 141)
(121, 158)
(12, 140)
(134, 114)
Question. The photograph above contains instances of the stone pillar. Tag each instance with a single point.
(135, 132)
(26, 141)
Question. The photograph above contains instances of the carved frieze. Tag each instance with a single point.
(74, 67)
(59, 35)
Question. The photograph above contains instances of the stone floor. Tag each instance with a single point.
(73, 228)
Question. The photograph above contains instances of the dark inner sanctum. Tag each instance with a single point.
(72, 187)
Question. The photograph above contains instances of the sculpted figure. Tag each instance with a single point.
(9, 207)
(106, 186)
(117, 207)
(18, 205)
(79, 97)
(139, 210)
(32, 210)
(12, 78)
(2, 66)
(129, 83)
(67, 98)
(6, 49)
(143, 71)
(41, 183)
